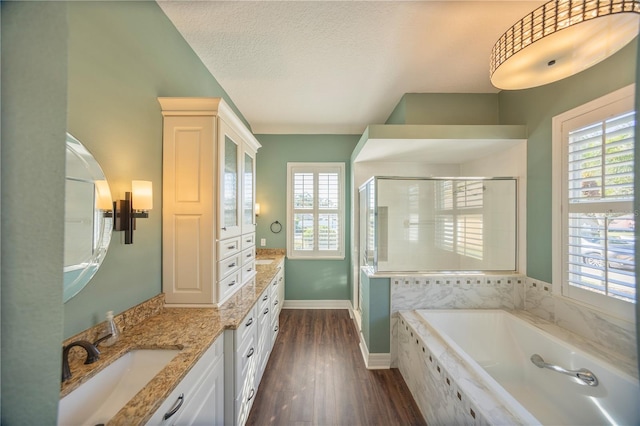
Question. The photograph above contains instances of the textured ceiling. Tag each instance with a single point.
(335, 67)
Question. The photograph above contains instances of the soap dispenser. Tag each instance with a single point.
(111, 328)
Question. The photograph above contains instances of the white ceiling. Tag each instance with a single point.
(337, 66)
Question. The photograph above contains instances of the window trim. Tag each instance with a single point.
(612, 306)
(316, 168)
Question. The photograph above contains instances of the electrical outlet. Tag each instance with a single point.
(263, 242)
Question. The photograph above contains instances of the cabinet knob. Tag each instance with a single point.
(249, 322)
(266, 311)
(266, 296)
(250, 354)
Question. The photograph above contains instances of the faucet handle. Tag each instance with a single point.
(102, 339)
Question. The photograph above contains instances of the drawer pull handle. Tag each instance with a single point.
(175, 407)
(232, 283)
(250, 352)
(280, 280)
(224, 228)
(266, 296)
(276, 302)
(249, 269)
(266, 311)
(232, 265)
(249, 322)
(247, 241)
(276, 329)
(248, 255)
(231, 247)
(251, 394)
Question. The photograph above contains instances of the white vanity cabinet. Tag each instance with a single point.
(199, 397)
(208, 218)
(241, 360)
(277, 301)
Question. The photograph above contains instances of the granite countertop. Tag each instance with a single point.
(192, 330)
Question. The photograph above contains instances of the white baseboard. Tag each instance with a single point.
(317, 304)
(374, 361)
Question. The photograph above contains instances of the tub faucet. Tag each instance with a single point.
(93, 354)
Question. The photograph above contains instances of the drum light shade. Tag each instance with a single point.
(560, 39)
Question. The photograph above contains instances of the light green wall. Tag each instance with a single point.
(535, 108)
(376, 305)
(34, 111)
(446, 109)
(122, 56)
(306, 279)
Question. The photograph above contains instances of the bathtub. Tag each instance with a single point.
(476, 368)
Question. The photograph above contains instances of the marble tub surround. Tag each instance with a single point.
(617, 335)
(192, 330)
(429, 367)
(511, 292)
(452, 291)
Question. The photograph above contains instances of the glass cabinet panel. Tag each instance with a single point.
(229, 188)
(248, 201)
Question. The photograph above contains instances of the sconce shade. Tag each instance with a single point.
(103, 196)
(257, 209)
(142, 191)
(560, 39)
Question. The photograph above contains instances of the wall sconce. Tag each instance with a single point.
(257, 209)
(136, 205)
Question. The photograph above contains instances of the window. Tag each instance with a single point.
(315, 210)
(595, 146)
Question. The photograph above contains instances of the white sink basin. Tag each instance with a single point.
(102, 396)
(264, 261)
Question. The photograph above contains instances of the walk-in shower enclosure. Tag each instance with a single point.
(438, 224)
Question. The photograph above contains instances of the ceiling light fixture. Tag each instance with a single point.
(560, 39)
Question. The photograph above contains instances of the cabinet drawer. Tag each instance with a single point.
(196, 386)
(247, 358)
(264, 300)
(228, 286)
(228, 247)
(248, 271)
(248, 240)
(248, 255)
(228, 266)
(247, 328)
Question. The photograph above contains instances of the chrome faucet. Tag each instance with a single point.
(93, 354)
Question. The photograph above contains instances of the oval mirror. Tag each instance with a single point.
(88, 219)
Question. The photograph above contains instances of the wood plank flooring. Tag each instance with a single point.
(316, 376)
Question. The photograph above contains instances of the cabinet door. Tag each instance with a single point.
(248, 192)
(188, 237)
(229, 150)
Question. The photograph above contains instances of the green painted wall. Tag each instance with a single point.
(34, 117)
(122, 56)
(306, 279)
(446, 109)
(376, 305)
(398, 114)
(535, 108)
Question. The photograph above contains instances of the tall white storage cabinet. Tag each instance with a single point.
(208, 217)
